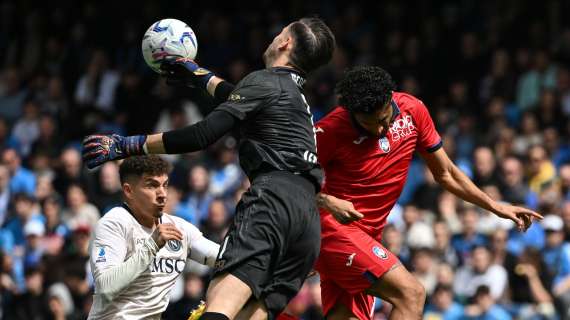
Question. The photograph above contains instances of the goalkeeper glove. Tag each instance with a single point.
(185, 72)
(98, 149)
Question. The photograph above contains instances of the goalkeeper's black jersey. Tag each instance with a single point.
(276, 126)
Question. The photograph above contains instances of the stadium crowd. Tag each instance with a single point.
(494, 75)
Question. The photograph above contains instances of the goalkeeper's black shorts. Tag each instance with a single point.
(274, 240)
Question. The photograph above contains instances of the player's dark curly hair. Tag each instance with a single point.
(314, 44)
(152, 165)
(364, 89)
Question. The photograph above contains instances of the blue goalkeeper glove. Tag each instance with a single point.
(98, 149)
(185, 72)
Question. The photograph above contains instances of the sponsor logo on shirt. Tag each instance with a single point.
(174, 245)
(402, 128)
(235, 97)
(384, 144)
(167, 265)
(101, 255)
(380, 253)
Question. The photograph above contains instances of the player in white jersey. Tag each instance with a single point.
(137, 251)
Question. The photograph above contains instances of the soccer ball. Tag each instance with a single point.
(165, 38)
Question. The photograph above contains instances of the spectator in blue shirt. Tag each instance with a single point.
(442, 305)
(556, 255)
(484, 307)
(22, 179)
(469, 238)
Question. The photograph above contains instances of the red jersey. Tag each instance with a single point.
(367, 171)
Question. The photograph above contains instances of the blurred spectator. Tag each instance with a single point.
(60, 303)
(484, 307)
(27, 129)
(34, 230)
(464, 242)
(32, 304)
(514, 188)
(12, 94)
(442, 306)
(96, 88)
(541, 171)
(4, 193)
(556, 255)
(216, 225)
(56, 230)
(529, 134)
(393, 240)
(443, 249)
(542, 75)
(530, 286)
(193, 293)
(71, 171)
(21, 179)
(564, 174)
(199, 199)
(110, 193)
(176, 207)
(424, 268)
(485, 172)
(559, 152)
(501, 256)
(226, 176)
(79, 212)
(49, 142)
(426, 192)
(480, 271)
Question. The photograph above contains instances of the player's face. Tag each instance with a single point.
(377, 123)
(148, 194)
(274, 48)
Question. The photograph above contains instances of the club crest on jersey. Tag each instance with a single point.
(380, 253)
(384, 144)
(174, 245)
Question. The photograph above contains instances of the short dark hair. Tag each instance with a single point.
(314, 44)
(152, 165)
(365, 89)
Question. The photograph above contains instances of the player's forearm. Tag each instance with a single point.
(456, 182)
(204, 251)
(219, 89)
(191, 138)
(110, 282)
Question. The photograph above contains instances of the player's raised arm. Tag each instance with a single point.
(454, 180)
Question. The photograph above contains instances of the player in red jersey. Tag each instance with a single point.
(365, 147)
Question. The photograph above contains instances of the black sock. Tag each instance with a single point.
(213, 316)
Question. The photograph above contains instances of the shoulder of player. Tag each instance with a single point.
(117, 217)
(262, 78)
(334, 120)
(408, 102)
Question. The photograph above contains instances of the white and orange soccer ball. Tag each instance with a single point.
(166, 38)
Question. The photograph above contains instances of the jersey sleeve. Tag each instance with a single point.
(248, 96)
(112, 273)
(109, 246)
(428, 138)
(201, 249)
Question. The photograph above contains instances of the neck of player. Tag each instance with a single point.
(146, 219)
